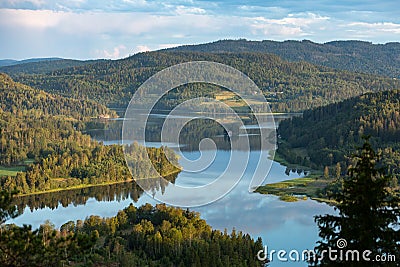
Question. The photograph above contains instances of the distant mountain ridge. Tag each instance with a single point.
(295, 83)
(357, 56)
(41, 65)
(9, 62)
(288, 86)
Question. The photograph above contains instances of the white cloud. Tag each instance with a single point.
(375, 28)
(142, 48)
(117, 52)
(135, 2)
(263, 9)
(291, 26)
(164, 46)
(16, 3)
(87, 31)
(183, 10)
(272, 30)
(38, 19)
(178, 35)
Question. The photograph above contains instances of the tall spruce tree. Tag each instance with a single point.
(368, 217)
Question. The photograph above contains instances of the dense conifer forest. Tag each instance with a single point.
(40, 139)
(47, 107)
(357, 56)
(327, 136)
(144, 236)
(287, 86)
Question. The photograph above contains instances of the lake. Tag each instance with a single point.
(282, 225)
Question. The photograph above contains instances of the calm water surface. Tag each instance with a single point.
(281, 225)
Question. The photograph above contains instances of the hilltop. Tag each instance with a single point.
(288, 86)
(357, 56)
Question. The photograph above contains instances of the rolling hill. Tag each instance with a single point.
(357, 56)
(19, 98)
(41, 65)
(327, 135)
(288, 86)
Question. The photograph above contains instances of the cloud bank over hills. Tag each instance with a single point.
(113, 29)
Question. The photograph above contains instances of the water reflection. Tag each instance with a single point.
(115, 192)
(103, 193)
(281, 225)
(196, 129)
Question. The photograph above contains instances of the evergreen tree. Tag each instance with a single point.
(368, 216)
(7, 210)
(22, 246)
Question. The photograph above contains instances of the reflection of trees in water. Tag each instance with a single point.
(155, 185)
(299, 171)
(105, 130)
(198, 129)
(113, 192)
(193, 132)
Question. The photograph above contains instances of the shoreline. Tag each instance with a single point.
(82, 186)
(297, 189)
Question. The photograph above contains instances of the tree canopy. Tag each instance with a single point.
(324, 136)
(369, 216)
(288, 86)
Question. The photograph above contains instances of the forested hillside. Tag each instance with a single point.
(41, 147)
(56, 156)
(287, 86)
(358, 56)
(19, 98)
(144, 236)
(327, 135)
(42, 66)
(10, 62)
(7, 62)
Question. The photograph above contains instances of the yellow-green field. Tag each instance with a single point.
(297, 189)
(11, 171)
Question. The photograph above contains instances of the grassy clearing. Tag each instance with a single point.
(288, 198)
(29, 161)
(11, 171)
(299, 188)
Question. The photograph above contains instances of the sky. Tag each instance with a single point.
(87, 29)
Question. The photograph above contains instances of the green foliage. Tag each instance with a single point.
(166, 236)
(144, 236)
(65, 158)
(43, 66)
(368, 214)
(21, 246)
(314, 187)
(288, 198)
(355, 56)
(287, 86)
(7, 210)
(329, 133)
(61, 156)
(22, 100)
